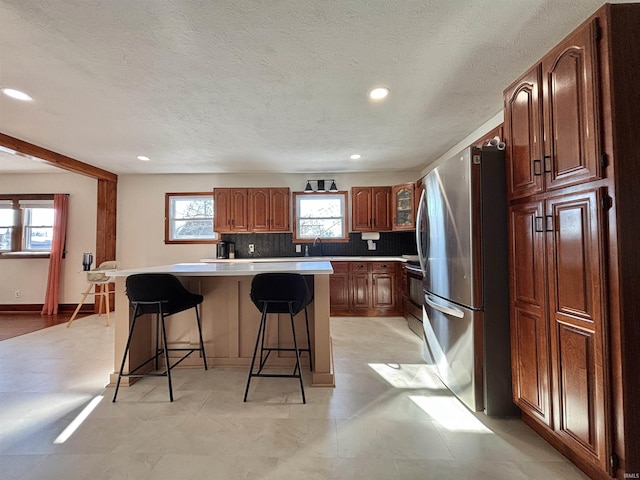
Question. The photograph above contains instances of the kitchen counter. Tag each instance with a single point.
(223, 268)
(361, 258)
(229, 318)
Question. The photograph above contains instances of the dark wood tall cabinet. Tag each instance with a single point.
(573, 160)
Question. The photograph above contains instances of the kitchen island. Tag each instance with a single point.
(229, 319)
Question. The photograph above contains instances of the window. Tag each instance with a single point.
(26, 224)
(320, 215)
(189, 218)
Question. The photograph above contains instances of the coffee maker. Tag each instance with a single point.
(226, 249)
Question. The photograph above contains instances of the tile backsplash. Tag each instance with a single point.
(282, 245)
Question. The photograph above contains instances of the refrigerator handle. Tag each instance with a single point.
(454, 312)
(423, 265)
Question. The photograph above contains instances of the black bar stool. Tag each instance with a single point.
(161, 294)
(280, 293)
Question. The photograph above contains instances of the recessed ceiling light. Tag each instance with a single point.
(356, 156)
(143, 158)
(378, 93)
(17, 94)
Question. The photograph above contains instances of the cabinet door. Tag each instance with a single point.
(361, 218)
(381, 208)
(575, 257)
(279, 211)
(403, 199)
(221, 208)
(339, 288)
(239, 210)
(359, 291)
(382, 290)
(571, 110)
(523, 135)
(259, 209)
(529, 324)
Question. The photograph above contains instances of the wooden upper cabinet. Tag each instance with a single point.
(571, 113)
(251, 209)
(403, 206)
(523, 135)
(551, 119)
(259, 209)
(238, 216)
(279, 208)
(371, 209)
(381, 208)
(222, 209)
(361, 209)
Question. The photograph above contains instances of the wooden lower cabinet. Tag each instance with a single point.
(575, 260)
(558, 327)
(529, 320)
(365, 289)
(339, 287)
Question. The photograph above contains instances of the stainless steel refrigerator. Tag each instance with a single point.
(463, 252)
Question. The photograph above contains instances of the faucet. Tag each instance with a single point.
(318, 241)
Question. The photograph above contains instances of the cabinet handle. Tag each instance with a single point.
(537, 168)
(547, 164)
(549, 223)
(538, 224)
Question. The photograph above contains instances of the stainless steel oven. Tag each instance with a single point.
(413, 298)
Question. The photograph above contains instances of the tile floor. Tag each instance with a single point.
(388, 417)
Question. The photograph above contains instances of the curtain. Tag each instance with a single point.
(60, 206)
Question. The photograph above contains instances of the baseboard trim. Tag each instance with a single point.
(37, 307)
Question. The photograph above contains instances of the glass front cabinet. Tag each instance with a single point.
(404, 213)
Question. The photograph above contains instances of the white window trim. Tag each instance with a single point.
(344, 196)
(170, 220)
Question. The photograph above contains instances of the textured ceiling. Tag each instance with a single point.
(264, 86)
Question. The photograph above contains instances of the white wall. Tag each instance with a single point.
(482, 130)
(30, 275)
(140, 236)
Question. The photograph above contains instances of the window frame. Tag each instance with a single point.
(168, 219)
(19, 227)
(345, 218)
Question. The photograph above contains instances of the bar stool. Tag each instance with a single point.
(161, 294)
(280, 293)
(99, 281)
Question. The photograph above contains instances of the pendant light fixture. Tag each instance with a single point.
(320, 186)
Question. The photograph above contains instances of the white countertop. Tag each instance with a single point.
(403, 258)
(231, 268)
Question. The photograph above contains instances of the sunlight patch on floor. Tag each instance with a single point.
(81, 417)
(450, 413)
(403, 375)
